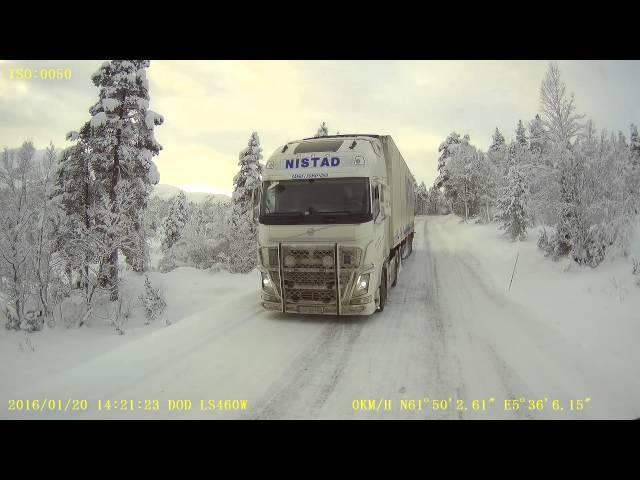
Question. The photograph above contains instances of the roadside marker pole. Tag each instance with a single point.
(514, 271)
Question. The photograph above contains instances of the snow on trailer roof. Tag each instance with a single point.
(339, 136)
(330, 143)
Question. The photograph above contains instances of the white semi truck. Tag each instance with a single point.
(335, 219)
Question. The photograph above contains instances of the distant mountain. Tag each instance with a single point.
(167, 192)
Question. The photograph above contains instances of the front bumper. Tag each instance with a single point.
(366, 309)
(315, 279)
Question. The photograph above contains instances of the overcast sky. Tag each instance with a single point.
(211, 107)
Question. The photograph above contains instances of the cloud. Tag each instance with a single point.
(211, 107)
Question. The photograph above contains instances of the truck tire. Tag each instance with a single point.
(409, 246)
(382, 291)
(396, 267)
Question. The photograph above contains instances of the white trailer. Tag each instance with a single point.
(336, 216)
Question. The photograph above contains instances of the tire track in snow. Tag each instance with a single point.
(305, 386)
(438, 334)
(463, 297)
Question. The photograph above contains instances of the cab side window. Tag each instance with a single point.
(376, 202)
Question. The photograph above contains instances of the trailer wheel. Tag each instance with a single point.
(409, 246)
(396, 267)
(382, 291)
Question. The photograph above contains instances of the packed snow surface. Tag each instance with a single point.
(452, 330)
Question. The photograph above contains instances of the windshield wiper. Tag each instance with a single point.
(332, 217)
(282, 218)
(284, 214)
(313, 212)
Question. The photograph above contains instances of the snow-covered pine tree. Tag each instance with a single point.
(152, 302)
(521, 135)
(634, 170)
(76, 190)
(498, 142)
(242, 230)
(242, 254)
(513, 149)
(323, 131)
(498, 154)
(248, 178)
(634, 145)
(513, 204)
(621, 142)
(588, 138)
(421, 193)
(446, 149)
(175, 221)
(122, 144)
(537, 137)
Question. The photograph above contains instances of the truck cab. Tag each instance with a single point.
(323, 227)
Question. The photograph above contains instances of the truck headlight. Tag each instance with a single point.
(267, 284)
(362, 285)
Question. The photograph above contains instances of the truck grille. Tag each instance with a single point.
(308, 278)
(308, 258)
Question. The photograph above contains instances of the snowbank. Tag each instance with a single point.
(598, 309)
(28, 358)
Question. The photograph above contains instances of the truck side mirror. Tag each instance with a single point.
(384, 209)
(255, 202)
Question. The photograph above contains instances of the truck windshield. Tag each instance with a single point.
(316, 200)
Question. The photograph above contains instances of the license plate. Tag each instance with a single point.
(308, 309)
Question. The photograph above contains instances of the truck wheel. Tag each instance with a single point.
(409, 246)
(382, 291)
(396, 268)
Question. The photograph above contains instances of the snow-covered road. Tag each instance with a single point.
(448, 334)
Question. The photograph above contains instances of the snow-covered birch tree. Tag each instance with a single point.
(114, 231)
(558, 109)
(45, 259)
(16, 224)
